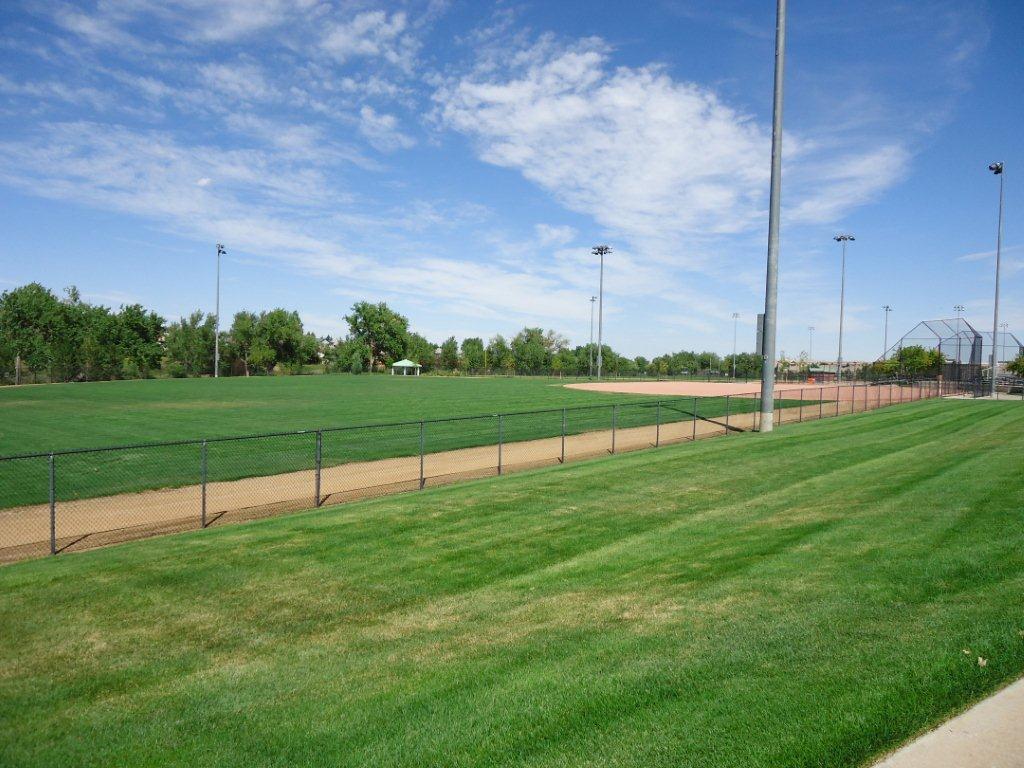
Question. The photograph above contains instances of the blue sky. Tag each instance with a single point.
(459, 159)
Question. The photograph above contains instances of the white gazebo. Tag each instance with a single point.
(403, 367)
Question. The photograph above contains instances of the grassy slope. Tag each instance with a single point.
(795, 599)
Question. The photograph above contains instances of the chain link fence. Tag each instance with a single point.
(70, 500)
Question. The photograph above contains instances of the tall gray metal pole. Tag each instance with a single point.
(997, 169)
(885, 342)
(735, 321)
(601, 251)
(216, 332)
(590, 348)
(843, 240)
(810, 344)
(771, 287)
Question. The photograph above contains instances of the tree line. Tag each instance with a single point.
(46, 337)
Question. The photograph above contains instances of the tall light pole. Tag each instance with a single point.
(843, 240)
(997, 169)
(735, 321)
(590, 348)
(771, 283)
(600, 251)
(885, 343)
(959, 309)
(810, 344)
(216, 332)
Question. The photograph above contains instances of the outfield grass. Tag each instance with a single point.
(95, 415)
(801, 598)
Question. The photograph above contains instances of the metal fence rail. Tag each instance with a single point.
(68, 500)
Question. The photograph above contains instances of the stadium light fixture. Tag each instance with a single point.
(771, 283)
(216, 332)
(997, 169)
(842, 239)
(600, 251)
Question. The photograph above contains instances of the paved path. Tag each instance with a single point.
(988, 735)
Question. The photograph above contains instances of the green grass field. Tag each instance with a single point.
(98, 414)
(811, 597)
(94, 415)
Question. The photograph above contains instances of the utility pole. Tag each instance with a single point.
(885, 343)
(600, 251)
(771, 286)
(843, 240)
(997, 169)
(590, 348)
(216, 333)
(735, 321)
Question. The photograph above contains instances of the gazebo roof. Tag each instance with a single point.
(406, 364)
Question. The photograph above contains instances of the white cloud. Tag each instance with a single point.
(370, 34)
(549, 234)
(242, 81)
(665, 164)
(643, 154)
(382, 131)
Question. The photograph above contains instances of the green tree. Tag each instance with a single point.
(29, 320)
(382, 330)
(473, 354)
(420, 350)
(189, 345)
(498, 352)
(450, 354)
(1016, 366)
(241, 337)
(531, 350)
(141, 332)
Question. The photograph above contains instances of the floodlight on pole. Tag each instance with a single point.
(842, 239)
(216, 332)
(771, 283)
(600, 251)
(735, 321)
(885, 343)
(590, 347)
(810, 343)
(997, 169)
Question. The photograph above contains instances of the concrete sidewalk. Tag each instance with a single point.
(988, 735)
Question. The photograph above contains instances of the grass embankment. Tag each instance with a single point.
(811, 597)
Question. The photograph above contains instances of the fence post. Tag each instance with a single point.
(657, 426)
(563, 436)
(695, 419)
(203, 465)
(422, 479)
(821, 402)
(500, 427)
(319, 463)
(53, 507)
(615, 408)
